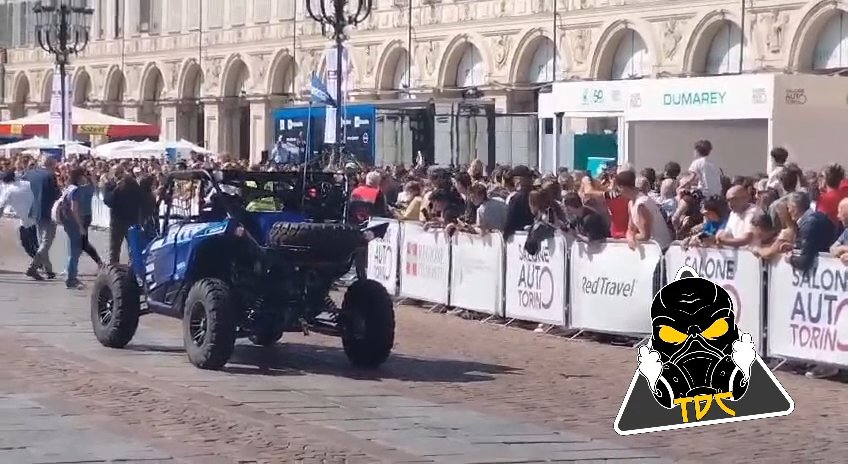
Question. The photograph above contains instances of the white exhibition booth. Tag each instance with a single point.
(571, 108)
(744, 116)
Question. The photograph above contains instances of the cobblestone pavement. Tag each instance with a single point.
(455, 391)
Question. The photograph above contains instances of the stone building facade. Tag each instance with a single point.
(213, 70)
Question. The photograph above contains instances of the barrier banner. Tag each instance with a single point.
(535, 285)
(383, 259)
(738, 270)
(612, 286)
(804, 311)
(424, 263)
(477, 272)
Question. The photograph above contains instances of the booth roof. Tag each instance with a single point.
(85, 122)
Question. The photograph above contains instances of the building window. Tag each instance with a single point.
(5, 25)
(144, 15)
(101, 19)
(119, 19)
(214, 16)
(193, 14)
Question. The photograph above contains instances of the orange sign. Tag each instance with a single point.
(16, 129)
(92, 129)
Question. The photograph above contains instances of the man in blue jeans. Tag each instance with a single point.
(71, 218)
(45, 190)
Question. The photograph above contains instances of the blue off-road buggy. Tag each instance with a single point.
(246, 254)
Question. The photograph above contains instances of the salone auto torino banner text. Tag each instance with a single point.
(737, 270)
(535, 284)
(808, 312)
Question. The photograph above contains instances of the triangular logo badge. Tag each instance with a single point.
(690, 378)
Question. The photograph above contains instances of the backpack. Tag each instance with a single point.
(61, 208)
(57, 212)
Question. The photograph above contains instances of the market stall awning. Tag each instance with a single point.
(85, 122)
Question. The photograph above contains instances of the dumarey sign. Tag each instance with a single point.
(702, 98)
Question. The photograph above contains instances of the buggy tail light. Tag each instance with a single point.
(312, 192)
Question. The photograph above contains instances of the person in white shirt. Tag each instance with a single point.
(703, 174)
(779, 155)
(646, 220)
(17, 195)
(738, 231)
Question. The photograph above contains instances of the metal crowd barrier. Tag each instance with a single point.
(608, 288)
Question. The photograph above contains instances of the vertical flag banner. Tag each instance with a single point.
(55, 125)
(330, 58)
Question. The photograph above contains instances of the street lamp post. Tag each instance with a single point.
(62, 29)
(337, 15)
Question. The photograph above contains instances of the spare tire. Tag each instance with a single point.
(333, 242)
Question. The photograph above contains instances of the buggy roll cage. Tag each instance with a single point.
(216, 177)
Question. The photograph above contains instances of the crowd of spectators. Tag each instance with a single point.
(786, 213)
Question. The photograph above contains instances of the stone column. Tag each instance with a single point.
(5, 113)
(212, 125)
(32, 109)
(260, 128)
(168, 121)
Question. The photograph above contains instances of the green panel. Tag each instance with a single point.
(594, 146)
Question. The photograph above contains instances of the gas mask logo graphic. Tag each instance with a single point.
(697, 366)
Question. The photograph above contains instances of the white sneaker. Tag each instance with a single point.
(822, 372)
(540, 329)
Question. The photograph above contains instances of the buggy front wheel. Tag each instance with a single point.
(368, 323)
(115, 306)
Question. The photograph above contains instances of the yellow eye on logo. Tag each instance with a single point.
(719, 328)
(670, 335)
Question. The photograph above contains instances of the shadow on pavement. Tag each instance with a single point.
(299, 359)
(143, 347)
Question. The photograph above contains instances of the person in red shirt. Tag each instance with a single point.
(833, 192)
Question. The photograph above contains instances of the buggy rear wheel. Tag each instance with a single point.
(209, 324)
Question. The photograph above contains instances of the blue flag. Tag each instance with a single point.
(319, 93)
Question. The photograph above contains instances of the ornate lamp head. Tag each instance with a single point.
(62, 28)
(336, 15)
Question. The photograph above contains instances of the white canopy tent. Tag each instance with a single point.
(148, 149)
(74, 148)
(39, 143)
(35, 143)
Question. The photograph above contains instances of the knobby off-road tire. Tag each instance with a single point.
(368, 318)
(209, 324)
(326, 241)
(115, 306)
